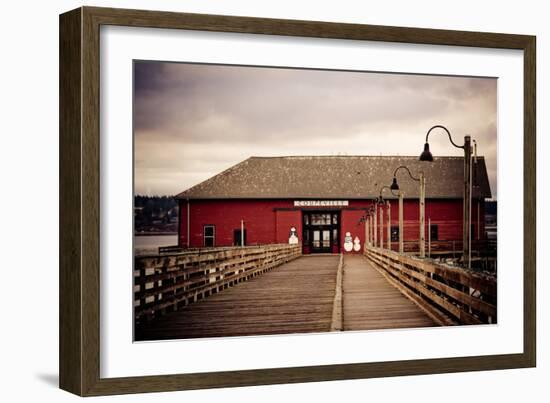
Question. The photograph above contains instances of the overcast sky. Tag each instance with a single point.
(193, 121)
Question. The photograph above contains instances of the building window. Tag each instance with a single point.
(395, 233)
(320, 219)
(326, 239)
(237, 239)
(434, 232)
(209, 235)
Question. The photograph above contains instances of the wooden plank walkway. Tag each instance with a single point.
(370, 302)
(296, 297)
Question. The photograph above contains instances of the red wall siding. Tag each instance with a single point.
(226, 215)
(269, 221)
(447, 214)
(284, 220)
(349, 222)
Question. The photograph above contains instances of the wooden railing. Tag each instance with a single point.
(484, 252)
(170, 249)
(165, 283)
(482, 247)
(450, 296)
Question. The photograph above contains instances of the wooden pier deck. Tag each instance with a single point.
(370, 302)
(296, 297)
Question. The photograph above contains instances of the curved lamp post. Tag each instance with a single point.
(467, 147)
(367, 219)
(422, 204)
(370, 223)
(388, 206)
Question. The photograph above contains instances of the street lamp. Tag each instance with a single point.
(467, 147)
(371, 224)
(395, 186)
(388, 205)
(422, 197)
(367, 219)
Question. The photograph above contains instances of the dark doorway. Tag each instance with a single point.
(237, 239)
(321, 232)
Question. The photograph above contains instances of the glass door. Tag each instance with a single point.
(321, 231)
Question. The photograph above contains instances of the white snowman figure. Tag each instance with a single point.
(356, 244)
(348, 244)
(293, 238)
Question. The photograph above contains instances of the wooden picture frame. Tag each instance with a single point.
(80, 184)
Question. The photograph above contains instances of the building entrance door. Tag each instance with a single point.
(321, 231)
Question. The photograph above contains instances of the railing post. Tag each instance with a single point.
(367, 231)
(242, 233)
(389, 225)
(382, 226)
(371, 226)
(466, 232)
(422, 210)
(375, 229)
(401, 247)
(429, 237)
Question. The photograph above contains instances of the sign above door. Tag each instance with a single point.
(320, 203)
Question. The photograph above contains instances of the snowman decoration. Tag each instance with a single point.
(293, 238)
(356, 244)
(348, 244)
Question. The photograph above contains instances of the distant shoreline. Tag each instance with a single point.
(154, 233)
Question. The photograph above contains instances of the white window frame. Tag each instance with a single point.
(204, 236)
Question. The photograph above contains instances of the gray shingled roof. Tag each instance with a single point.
(336, 177)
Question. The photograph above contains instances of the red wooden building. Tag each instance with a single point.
(323, 198)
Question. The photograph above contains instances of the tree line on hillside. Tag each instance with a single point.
(155, 214)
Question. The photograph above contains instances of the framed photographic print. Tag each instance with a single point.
(249, 201)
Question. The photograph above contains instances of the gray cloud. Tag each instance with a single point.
(192, 121)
